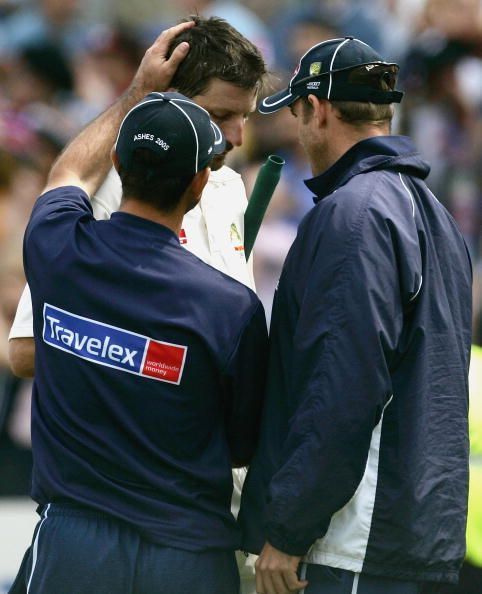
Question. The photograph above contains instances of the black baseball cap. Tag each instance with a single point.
(344, 69)
(175, 128)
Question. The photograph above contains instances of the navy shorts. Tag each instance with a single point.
(329, 580)
(76, 551)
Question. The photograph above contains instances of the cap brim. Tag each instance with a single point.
(219, 141)
(277, 101)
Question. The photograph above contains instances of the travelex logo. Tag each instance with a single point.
(113, 347)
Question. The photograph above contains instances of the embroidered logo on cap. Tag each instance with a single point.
(315, 68)
(113, 347)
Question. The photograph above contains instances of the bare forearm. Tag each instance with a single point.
(21, 355)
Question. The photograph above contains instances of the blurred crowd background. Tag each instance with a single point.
(64, 61)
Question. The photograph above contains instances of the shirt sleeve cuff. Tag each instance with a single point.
(21, 331)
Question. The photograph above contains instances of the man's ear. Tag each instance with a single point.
(199, 182)
(319, 107)
(114, 158)
(192, 195)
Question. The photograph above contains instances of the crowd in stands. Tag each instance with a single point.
(60, 66)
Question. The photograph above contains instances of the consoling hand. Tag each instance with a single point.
(156, 70)
(276, 572)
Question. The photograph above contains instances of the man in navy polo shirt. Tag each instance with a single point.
(149, 363)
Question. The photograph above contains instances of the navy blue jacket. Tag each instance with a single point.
(149, 376)
(362, 462)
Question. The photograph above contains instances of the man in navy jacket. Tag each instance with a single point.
(361, 472)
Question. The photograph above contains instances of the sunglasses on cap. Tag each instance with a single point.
(374, 76)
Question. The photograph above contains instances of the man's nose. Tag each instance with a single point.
(234, 131)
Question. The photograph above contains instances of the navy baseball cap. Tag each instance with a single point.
(344, 69)
(175, 128)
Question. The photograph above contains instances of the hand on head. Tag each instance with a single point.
(156, 70)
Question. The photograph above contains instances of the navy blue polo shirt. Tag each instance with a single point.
(149, 373)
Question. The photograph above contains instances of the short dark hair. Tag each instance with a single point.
(217, 50)
(147, 181)
(358, 113)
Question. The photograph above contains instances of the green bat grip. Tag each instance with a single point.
(266, 182)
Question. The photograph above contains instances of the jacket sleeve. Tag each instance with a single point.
(244, 389)
(350, 319)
